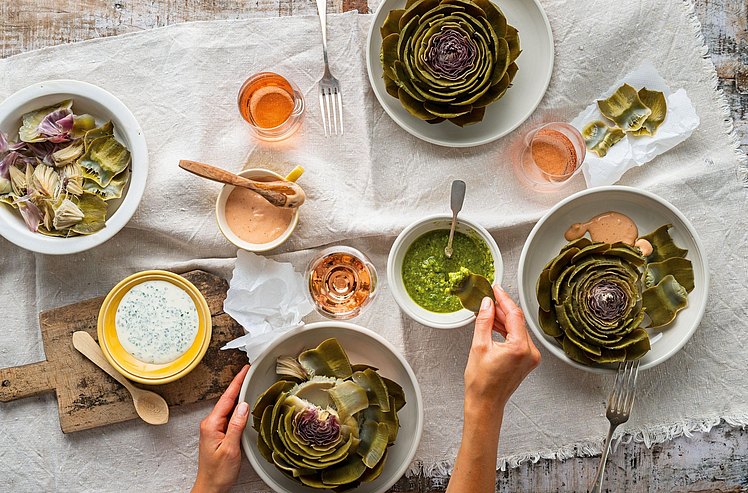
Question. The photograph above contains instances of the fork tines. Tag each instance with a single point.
(331, 107)
(621, 400)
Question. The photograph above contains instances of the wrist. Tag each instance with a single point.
(204, 486)
(482, 408)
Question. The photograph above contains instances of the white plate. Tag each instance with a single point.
(649, 212)
(527, 90)
(362, 346)
(103, 106)
(395, 268)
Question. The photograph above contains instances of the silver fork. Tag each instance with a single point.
(620, 402)
(330, 99)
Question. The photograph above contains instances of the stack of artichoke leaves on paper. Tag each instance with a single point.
(597, 299)
(62, 171)
(632, 112)
(326, 423)
(448, 59)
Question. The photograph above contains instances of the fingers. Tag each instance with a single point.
(226, 403)
(236, 425)
(498, 326)
(514, 319)
(484, 323)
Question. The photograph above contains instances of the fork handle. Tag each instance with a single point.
(598, 487)
(322, 10)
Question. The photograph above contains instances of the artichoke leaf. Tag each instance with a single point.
(475, 116)
(625, 109)
(29, 131)
(94, 214)
(680, 268)
(328, 359)
(396, 392)
(610, 356)
(270, 397)
(638, 349)
(110, 192)
(470, 288)
(413, 106)
(656, 102)
(391, 24)
(362, 367)
(663, 301)
(374, 439)
(599, 137)
(376, 390)
(575, 353)
(349, 398)
(104, 159)
(288, 366)
(105, 130)
(549, 324)
(347, 472)
(663, 246)
(373, 473)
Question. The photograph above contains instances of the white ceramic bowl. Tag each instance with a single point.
(94, 100)
(649, 212)
(395, 268)
(362, 346)
(527, 90)
(255, 174)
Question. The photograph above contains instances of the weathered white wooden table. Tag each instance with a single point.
(707, 462)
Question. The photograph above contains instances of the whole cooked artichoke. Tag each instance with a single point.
(594, 297)
(448, 59)
(327, 424)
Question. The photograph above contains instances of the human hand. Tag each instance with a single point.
(494, 369)
(220, 452)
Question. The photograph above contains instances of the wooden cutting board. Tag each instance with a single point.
(86, 396)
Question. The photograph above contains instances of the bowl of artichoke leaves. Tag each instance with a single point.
(73, 166)
(333, 406)
(613, 274)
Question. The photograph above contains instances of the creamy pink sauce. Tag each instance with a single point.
(610, 227)
(253, 218)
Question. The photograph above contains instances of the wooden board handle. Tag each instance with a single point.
(25, 381)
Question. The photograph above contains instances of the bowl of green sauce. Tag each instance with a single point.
(418, 271)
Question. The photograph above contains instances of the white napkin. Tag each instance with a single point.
(267, 298)
(680, 122)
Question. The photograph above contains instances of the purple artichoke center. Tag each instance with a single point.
(317, 427)
(607, 301)
(450, 54)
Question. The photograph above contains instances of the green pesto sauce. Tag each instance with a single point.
(426, 269)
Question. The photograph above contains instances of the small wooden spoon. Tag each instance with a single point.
(150, 406)
(285, 194)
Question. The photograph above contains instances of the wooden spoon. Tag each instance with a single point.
(285, 194)
(150, 406)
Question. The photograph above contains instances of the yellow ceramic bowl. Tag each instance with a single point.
(131, 367)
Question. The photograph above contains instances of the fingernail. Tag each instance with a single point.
(242, 409)
(486, 303)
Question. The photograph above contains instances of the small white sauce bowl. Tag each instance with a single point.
(258, 174)
(103, 106)
(395, 267)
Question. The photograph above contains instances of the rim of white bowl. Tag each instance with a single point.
(223, 225)
(129, 127)
(401, 296)
(401, 470)
(487, 140)
(557, 350)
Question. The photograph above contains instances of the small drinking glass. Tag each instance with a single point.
(272, 105)
(342, 282)
(553, 153)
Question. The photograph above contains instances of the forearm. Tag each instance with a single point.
(475, 467)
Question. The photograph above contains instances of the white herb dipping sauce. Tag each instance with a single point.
(156, 322)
